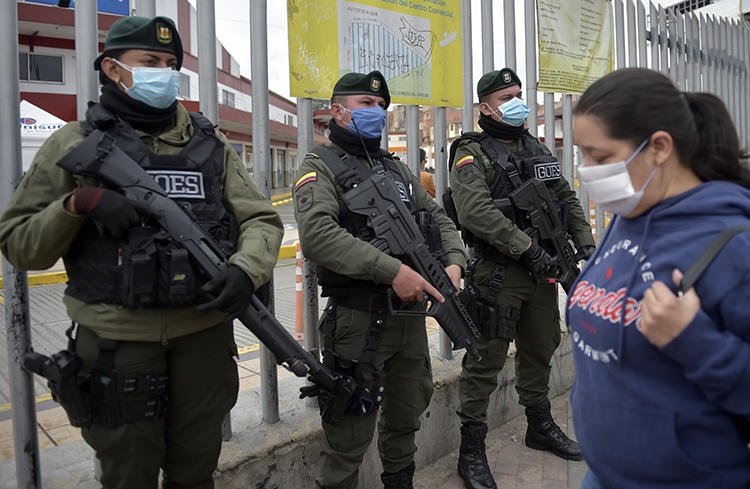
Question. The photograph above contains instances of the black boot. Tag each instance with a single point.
(544, 434)
(472, 457)
(399, 480)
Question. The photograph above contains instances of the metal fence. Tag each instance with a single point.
(698, 52)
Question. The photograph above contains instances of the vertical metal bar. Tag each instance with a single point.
(736, 72)
(654, 29)
(412, 138)
(619, 35)
(642, 34)
(87, 47)
(732, 93)
(567, 129)
(673, 47)
(689, 55)
(207, 77)
(713, 43)
(680, 48)
(17, 321)
(632, 34)
(725, 62)
(488, 49)
(441, 182)
(663, 42)
(509, 26)
(145, 8)
(467, 118)
(696, 49)
(549, 121)
(745, 47)
(530, 34)
(702, 55)
(305, 144)
(269, 387)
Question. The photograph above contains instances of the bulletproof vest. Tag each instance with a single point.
(349, 171)
(512, 168)
(146, 268)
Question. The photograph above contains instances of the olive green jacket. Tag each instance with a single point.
(317, 206)
(476, 212)
(36, 230)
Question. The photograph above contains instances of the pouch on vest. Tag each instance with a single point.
(177, 281)
(138, 261)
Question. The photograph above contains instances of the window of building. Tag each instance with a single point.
(184, 91)
(227, 98)
(40, 67)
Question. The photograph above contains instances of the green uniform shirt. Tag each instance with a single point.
(318, 203)
(36, 230)
(476, 212)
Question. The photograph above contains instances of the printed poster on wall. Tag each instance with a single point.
(416, 44)
(576, 44)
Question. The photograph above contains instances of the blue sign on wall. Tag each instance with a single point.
(117, 7)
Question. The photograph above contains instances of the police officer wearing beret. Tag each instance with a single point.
(154, 335)
(507, 271)
(386, 354)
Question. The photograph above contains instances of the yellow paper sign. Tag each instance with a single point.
(576, 44)
(415, 44)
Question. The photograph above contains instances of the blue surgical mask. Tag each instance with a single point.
(514, 112)
(368, 122)
(156, 87)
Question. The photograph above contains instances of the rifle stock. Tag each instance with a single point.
(397, 232)
(534, 198)
(100, 158)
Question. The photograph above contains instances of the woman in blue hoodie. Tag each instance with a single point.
(655, 406)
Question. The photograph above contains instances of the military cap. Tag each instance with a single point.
(151, 34)
(372, 83)
(497, 80)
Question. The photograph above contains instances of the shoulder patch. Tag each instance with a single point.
(306, 178)
(463, 161)
(304, 199)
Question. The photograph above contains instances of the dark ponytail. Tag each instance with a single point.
(633, 103)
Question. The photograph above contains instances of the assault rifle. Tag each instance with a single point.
(534, 198)
(397, 232)
(99, 157)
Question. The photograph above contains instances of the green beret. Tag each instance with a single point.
(150, 34)
(497, 80)
(372, 83)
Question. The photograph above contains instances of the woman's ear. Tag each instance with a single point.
(110, 69)
(662, 146)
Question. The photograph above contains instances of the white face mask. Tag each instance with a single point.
(610, 186)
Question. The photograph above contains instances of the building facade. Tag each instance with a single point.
(47, 77)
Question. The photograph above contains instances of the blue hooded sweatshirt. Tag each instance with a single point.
(647, 417)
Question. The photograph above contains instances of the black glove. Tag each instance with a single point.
(232, 290)
(108, 209)
(309, 390)
(536, 260)
(585, 252)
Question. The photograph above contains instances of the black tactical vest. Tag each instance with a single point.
(512, 168)
(146, 268)
(350, 171)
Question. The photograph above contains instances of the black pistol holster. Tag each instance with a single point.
(98, 395)
(493, 319)
(370, 381)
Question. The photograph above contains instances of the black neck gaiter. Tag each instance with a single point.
(351, 143)
(139, 115)
(499, 130)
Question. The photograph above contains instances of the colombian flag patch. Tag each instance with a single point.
(307, 177)
(463, 161)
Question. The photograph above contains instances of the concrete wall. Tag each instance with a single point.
(285, 455)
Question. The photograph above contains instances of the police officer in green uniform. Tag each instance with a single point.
(387, 355)
(154, 335)
(508, 270)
